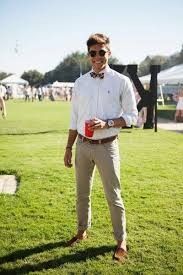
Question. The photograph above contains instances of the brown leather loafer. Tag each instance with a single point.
(120, 254)
(76, 240)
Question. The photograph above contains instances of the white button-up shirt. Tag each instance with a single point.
(2, 91)
(108, 98)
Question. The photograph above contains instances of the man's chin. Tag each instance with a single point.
(99, 68)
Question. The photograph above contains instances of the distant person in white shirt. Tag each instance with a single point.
(179, 107)
(106, 99)
(2, 102)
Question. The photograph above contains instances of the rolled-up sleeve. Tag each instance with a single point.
(74, 108)
(130, 112)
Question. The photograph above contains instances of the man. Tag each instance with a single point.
(106, 98)
(2, 102)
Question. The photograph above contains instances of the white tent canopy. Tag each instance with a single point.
(58, 84)
(173, 75)
(14, 79)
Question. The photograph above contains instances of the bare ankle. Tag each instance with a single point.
(81, 233)
(121, 244)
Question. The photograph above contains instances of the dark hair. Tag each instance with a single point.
(97, 38)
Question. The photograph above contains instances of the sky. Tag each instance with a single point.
(39, 34)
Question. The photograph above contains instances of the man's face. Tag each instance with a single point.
(98, 57)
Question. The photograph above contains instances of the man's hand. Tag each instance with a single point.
(68, 158)
(68, 153)
(97, 123)
(4, 114)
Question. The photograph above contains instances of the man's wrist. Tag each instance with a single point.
(68, 147)
(115, 123)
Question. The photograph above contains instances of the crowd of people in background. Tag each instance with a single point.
(51, 93)
(39, 93)
(30, 94)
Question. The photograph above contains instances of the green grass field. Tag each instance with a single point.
(40, 217)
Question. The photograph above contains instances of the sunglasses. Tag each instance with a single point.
(94, 53)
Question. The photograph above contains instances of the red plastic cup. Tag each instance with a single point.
(88, 133)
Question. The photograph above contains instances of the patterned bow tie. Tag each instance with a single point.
(94, 75)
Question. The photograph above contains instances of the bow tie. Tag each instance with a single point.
(94, 75)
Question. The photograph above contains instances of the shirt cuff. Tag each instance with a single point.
(73, 126)
(129, 120)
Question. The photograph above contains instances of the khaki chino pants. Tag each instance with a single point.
(107, 160)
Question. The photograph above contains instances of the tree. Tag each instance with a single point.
(34, 77)
(71, 68)
(181, 56)
(48, 78)
(151, 60)
(165, 62)
(4, 75)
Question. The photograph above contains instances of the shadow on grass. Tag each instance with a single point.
(23, 253)
(79, 256)
(30, 133)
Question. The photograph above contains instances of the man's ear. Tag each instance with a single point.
(109, 53)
